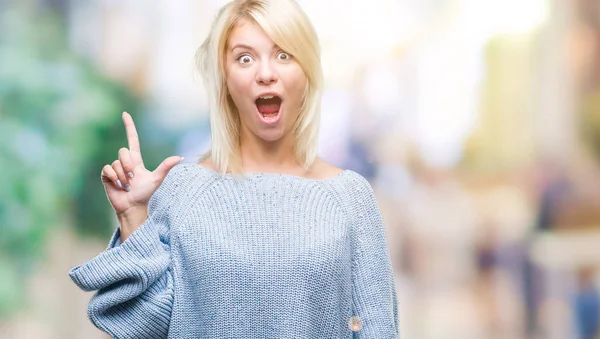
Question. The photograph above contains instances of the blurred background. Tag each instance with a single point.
(476, 121)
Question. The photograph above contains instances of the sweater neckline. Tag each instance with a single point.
(275, 175)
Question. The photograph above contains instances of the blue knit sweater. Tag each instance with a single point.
(269, 256)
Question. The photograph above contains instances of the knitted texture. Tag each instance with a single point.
(266, 256)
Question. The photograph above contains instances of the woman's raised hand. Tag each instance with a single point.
(128, 184)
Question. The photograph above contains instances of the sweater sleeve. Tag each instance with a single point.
(374, 297)
(134, 279)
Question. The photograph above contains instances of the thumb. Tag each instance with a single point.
(163, 169)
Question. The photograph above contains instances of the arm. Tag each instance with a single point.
(374, 297)
(134, 278)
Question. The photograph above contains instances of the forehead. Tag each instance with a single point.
(249, 33)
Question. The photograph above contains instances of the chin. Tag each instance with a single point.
(270, 136)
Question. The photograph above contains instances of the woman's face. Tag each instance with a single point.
(265, 83)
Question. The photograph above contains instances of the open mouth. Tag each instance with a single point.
(268, 106)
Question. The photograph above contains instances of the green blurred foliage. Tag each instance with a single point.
(58, 120)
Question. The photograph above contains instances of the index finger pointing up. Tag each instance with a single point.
(132, 136)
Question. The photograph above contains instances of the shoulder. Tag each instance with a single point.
(178, 173)
(358, 188)
(167, 188)
(207, 163)
(183, 175)
(358, 198)
(352, 187)
(183, 179)
(357, 191)
(321, 169)
(351, 180)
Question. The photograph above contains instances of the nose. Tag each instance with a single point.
(266, 74)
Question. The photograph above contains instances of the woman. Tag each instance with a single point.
(261, 238)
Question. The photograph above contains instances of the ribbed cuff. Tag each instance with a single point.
(141, 256)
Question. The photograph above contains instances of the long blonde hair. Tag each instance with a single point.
(288, 26)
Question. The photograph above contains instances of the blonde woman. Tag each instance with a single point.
(261, 238)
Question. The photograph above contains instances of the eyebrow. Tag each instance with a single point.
(248, 47)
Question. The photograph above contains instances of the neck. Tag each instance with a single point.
(262, 156)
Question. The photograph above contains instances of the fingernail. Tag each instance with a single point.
(130, 174)
(127, 187)
(181, 158)
(119, 183)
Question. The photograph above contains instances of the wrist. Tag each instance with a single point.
(131, 219)
(133, 213)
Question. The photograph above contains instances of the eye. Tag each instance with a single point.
(244, 59)
(283, 56)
